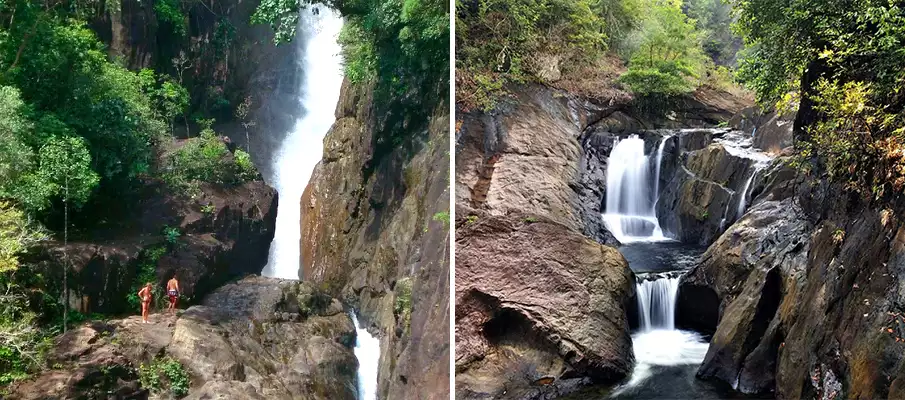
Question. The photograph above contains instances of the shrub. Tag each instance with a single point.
(165, 374)
(402, 306)
(206, 159)
(505, 41)
(147, 272)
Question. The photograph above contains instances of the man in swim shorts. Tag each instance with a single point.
(173, 293)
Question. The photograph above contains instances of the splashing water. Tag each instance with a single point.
(367, 351)
(320, 61)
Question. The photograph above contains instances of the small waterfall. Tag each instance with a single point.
(321, 64)
(658, 161)
(630, 203)
(743, 201)
(657, 303)
(367, 351)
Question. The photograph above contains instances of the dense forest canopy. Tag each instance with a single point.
(669, 46)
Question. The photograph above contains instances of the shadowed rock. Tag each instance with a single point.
(536, 300)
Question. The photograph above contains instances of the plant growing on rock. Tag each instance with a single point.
(402, 305)
(165, 374)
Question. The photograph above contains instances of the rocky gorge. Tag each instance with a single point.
(794, 286)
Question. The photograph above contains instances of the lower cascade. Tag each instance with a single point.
(657, 303)
(367, 351)
(658, 346)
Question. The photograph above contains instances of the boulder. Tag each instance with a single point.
(256, 338)
(536, 300)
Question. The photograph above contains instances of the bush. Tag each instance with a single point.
(147, 272)
(207, 159)
(165, 374)
(668, 59)
(402, 307)
(503, 41)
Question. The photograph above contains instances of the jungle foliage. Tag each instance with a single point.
(842, 61)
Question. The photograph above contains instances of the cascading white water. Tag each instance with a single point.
(657, 342)
(630, 214)
(743, 201)
(321, 64)
(657, 303)
(367, 351)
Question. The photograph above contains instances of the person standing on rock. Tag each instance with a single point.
(173, 293)
(145, 295)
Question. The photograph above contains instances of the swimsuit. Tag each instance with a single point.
(173, 293)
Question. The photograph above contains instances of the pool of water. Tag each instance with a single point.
(660, 256)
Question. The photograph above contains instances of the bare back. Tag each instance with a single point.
(173, 284)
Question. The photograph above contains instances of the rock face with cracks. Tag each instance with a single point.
(529, 313)
(375, 231)
(805, 294)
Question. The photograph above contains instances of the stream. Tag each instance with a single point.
(666, 358)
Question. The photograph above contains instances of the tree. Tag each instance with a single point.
(845, 60)
(66, 163)
(667, 58)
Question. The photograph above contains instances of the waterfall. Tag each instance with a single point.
(743, 201)
(657, 344)
(367, 351)
(318, 57)
(630, 204)
(659, 160)
(657, 303)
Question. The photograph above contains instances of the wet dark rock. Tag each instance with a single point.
(809, 294)
(222, 235)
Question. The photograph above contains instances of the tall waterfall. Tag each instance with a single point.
(630, 202)
(318, 57)
(657, 303)
(367, 351)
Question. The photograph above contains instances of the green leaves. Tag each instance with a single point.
(514, 41)
(668, 57)
(65, 164)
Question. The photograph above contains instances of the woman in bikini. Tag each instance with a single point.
(145, 295)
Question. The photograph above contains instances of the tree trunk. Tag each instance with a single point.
(66, 254)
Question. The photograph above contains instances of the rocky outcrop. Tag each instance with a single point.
(540, 309)
(808, 294)
(258, 338)
(772, 131)
(223, 234)
(375, 230)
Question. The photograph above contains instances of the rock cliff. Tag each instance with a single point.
(259, 338)
(540, 307)
(223, 234)
(375, 230)
(803, 293)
